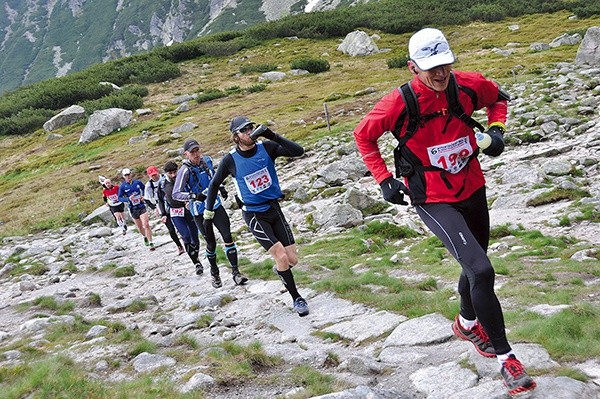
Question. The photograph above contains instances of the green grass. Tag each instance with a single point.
(315, 382)
(61, 377)
(231, 363)
(571, 335)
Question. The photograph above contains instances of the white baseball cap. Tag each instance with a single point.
(428, 48)
(126, 171)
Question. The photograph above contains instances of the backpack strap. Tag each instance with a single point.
(456, 108)
(411, 111)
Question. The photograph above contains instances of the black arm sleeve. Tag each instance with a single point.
(161, 201)
(280, 146)
(226, 168)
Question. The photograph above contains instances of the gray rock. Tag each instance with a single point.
(589, 49)
(367, 326)
(183, 107)
(358, 43)
(539, 46)
(185, 128)
(410, 333)
(198, 381)
(96, 331)
(566, 40)
(104, 122)
(101, 214)
(361, 365)
(66, 117)
(101, 232)
(183, 98)
(54, 136)
(272, 76)
(548, 310)
(11, 355)
(339, 215)
(146, 362)
(557, 167)
(454, 377)
(364, 392)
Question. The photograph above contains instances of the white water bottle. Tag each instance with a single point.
(483, 140)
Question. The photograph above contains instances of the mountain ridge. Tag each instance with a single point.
(42, 41)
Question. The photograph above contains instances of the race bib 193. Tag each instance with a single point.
(451, 156)
(258, 181)
(177, 212)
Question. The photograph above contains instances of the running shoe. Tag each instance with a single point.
(146, 242)
(199, 269)
(180, 251)
(124, 231)
(476, 336)
(152, 246)
(216, 278)
(516, 378)
(301, 306)
(239, 278)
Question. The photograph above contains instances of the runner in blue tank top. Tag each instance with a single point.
(252, 166)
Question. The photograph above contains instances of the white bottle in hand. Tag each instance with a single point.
(483, 140)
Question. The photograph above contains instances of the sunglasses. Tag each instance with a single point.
(246, 129)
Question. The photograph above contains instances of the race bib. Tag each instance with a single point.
(136, 199)
(176, 212)
(113, 198)
(452, 156)
(258, 181)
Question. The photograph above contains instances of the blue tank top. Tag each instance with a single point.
(256, 180)
(198, 180)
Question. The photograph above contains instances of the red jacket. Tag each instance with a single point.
(444, 142)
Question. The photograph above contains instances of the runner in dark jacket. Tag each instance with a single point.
(179, 214)
(191, 185)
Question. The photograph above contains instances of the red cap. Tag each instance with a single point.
(152, 170)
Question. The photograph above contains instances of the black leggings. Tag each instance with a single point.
(172, 231)
(221, 222)
(464, 228)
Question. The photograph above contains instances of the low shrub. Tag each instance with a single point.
(312, 65)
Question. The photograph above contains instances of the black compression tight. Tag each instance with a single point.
(463, 228)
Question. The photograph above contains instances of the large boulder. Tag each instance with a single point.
(589, 49)
(358, 43)
(65, 118)
(104, 122)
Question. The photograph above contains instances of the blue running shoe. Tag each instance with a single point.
(301, 306)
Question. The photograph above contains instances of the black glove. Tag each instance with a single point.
(197, 196)
(224, 193)
(392, 190)
(497, 145)
(262, 130)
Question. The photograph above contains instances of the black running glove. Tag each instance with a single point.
(224, 193)
(392, 190)
(197, 196)
(497, 146)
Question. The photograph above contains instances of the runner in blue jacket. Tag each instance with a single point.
(132, 193)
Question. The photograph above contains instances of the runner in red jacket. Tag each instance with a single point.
(437, 157)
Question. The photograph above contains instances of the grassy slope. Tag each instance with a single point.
(61, 175)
